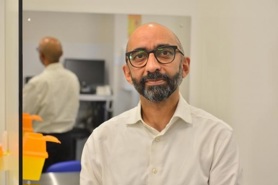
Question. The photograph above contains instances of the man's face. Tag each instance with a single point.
(155, 81)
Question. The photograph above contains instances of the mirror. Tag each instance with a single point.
(95, 36)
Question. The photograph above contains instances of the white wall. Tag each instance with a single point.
(233, 67)
(2, 80)
(9, 91)
(2, 66)
(83, 35)
(236, 79)
(93, 36)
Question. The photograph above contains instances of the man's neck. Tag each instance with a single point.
(47, 63)
(158, 115)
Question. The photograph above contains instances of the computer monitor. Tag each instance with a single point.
(90, 72)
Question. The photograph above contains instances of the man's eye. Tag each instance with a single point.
(164, 52)
(139, 55)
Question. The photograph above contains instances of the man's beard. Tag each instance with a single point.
(158, 93)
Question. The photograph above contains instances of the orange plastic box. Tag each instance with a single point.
(34, 154)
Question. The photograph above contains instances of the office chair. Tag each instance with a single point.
(65, 166)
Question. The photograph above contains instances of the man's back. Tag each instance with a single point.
(54, 95)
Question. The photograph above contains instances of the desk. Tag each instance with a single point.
(68, 178)
(96, 98)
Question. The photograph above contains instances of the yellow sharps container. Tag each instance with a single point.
(34, 154)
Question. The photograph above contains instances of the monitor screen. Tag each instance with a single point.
(90, 72)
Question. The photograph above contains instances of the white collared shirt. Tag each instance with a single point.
(53, 95)
(195, 148)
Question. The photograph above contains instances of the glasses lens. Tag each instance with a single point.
(165, 54)
(138, 58)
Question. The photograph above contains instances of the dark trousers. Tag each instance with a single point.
(59, 152)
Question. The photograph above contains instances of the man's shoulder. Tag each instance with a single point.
(122, 118)
(37, 79)
(206, 119)
(70, 73)
(35, 85)
(116, 123)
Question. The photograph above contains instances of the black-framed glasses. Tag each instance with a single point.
(38, 49)
(164, 54)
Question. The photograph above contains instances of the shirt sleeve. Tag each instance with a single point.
(32, 96)
(226, 169)
(91, 171)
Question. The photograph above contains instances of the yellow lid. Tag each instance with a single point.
(28, 120)
(34, 144)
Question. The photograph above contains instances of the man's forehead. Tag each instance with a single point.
(150, 39)
(149, 44)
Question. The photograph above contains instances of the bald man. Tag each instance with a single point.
(163, 140)
(53, 95)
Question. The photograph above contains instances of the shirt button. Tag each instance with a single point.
(154, 170)
(157, 139)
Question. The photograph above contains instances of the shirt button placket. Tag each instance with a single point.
(154, 170)
(157, 139)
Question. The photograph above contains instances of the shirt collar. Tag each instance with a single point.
(183, 112)
(54, 66)
(135, 115)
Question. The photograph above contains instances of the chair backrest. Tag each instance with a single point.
(65, 166)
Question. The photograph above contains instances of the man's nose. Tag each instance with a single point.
(152, 64)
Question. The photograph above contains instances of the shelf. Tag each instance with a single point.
(95, 97)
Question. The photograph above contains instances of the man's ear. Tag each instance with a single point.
(43, 59)
(185, 66)
(127, 73)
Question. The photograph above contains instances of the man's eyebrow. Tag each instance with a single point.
(138, 49)
(145, 49)
(161, 45)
